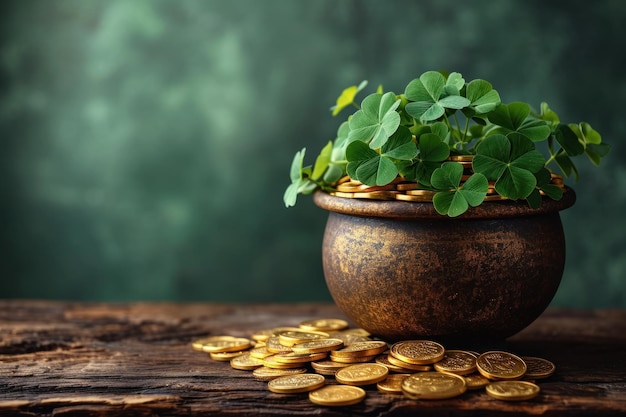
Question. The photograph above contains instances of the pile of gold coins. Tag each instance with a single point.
(299, 360)
(401, 189)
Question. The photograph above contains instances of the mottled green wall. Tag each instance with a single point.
(146, 144)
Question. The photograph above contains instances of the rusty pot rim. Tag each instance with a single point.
(426, 210)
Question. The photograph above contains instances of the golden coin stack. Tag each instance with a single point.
(404, 190)
(299, 360)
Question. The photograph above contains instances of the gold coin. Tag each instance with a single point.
(224, 356)
(422, 193)
(457, 362)
(405, 186)
(498, 365)
(392, 384)
(538, 368)
(263, 335)
(324, 325)
(222, 344)
(351, 187)
(267, 374)
(384, 360)
(376, 195)
(328, 367)
(419, 352)
(461, 158)
(271, 362)
(475, 381)
(293, 357)
(341, 194)
(408, 366)
(337, 395)
(414, 198)
(352, 359)
(369, 348)
(291, 384)
(260, 352)
(433, 386)
(245, 362)
(319, 345)
(273, 345)
(512, 390)
(362, 374)
(290, 338)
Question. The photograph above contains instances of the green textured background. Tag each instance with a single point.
(146, 144)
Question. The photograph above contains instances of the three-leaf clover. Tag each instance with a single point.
(513, 117)
(455, 200)
(300, 182)
(432, 151)
(511, 161)
(376, 121)
(430, 96)
(372, 168)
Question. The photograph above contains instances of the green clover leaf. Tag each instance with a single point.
(454, 200)
(513, 117)
(373, 168)
(432, 152)
(376, 121)
(511, 161)
(300, 183)
(347, 97)
(483, 98)
(428, 96)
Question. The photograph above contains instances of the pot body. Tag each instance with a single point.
(402, 271)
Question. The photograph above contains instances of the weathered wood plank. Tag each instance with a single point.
(93, 359)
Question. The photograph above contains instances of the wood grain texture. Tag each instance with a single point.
(86, 359)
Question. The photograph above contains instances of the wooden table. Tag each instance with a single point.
(89, 359)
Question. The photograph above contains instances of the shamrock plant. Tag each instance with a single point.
(421, 136)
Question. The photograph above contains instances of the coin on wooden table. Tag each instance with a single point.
(362, 374)
(408, 366)
(457, 362)
(271, 362)
(273, 345)
(245, 362)
(324, 325)
(293, 357)
(328, 367)
(475, 381)
(419, 352)
(264, 334)
(384, 360)
(538, 368)
(225, 356)
(267, 374)
(512, 390)
(292, 337)
(291, 384)
(337, 395)
(392, 384)
(498, 365)
(358, 349)
(222, 344)
(354, 359)
(433, 386)
(261, 352)
(319, 345)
